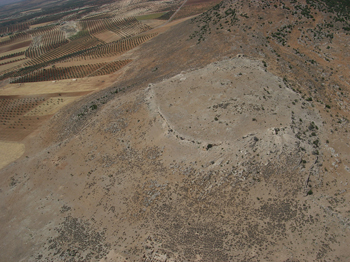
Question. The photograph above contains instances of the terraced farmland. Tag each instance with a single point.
(124, 27)
(14, 28)
(14, 125)
(59, 73)
(114, 48)
(111, 68)
(45, 42)
(78, 42)
(72, 72)
(72, 47)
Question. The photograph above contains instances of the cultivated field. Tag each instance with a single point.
(52, 57)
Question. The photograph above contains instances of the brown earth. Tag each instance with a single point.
(195, 7)
(218, 142)
(108, 36)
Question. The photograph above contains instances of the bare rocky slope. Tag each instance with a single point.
(226, 140)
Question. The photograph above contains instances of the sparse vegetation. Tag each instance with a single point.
(224, 139)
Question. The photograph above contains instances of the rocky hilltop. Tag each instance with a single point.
(225, 140)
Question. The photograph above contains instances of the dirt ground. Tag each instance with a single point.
(7, 67)
(59, 86)
(108, 36)
(218, 142)
(10, 152)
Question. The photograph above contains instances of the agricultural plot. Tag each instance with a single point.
(9, 47)
(14, 28)
(41, 30)
(31, 49)
(11, 55)
(72, 47)
(124, 27)
(8, 66)
(54, 17)
(72, 72)
(50, 106)
(59, 73)
(107, 36)
(14, 126)
(12, 60)
(115, 48)
(111, 68)
(12, 38)
(48, 41)
(98, 16)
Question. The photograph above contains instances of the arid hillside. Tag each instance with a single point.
(224, 136)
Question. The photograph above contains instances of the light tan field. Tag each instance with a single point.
(21, 49)
(60, 86)
(153, 22)
(4, 38)
(9, 152)
(32, 10)
(83, 61)
(9, 60)
(108, 36)
(39, 25)
(165, 26)
(12, 65)
(51, 106)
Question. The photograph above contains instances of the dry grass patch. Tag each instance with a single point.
(10, 66)
(51, 106)
(108, 36)
(61, 86)
(9, 152)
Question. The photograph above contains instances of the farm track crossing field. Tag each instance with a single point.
(107, 36)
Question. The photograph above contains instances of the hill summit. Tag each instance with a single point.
(224, 137)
